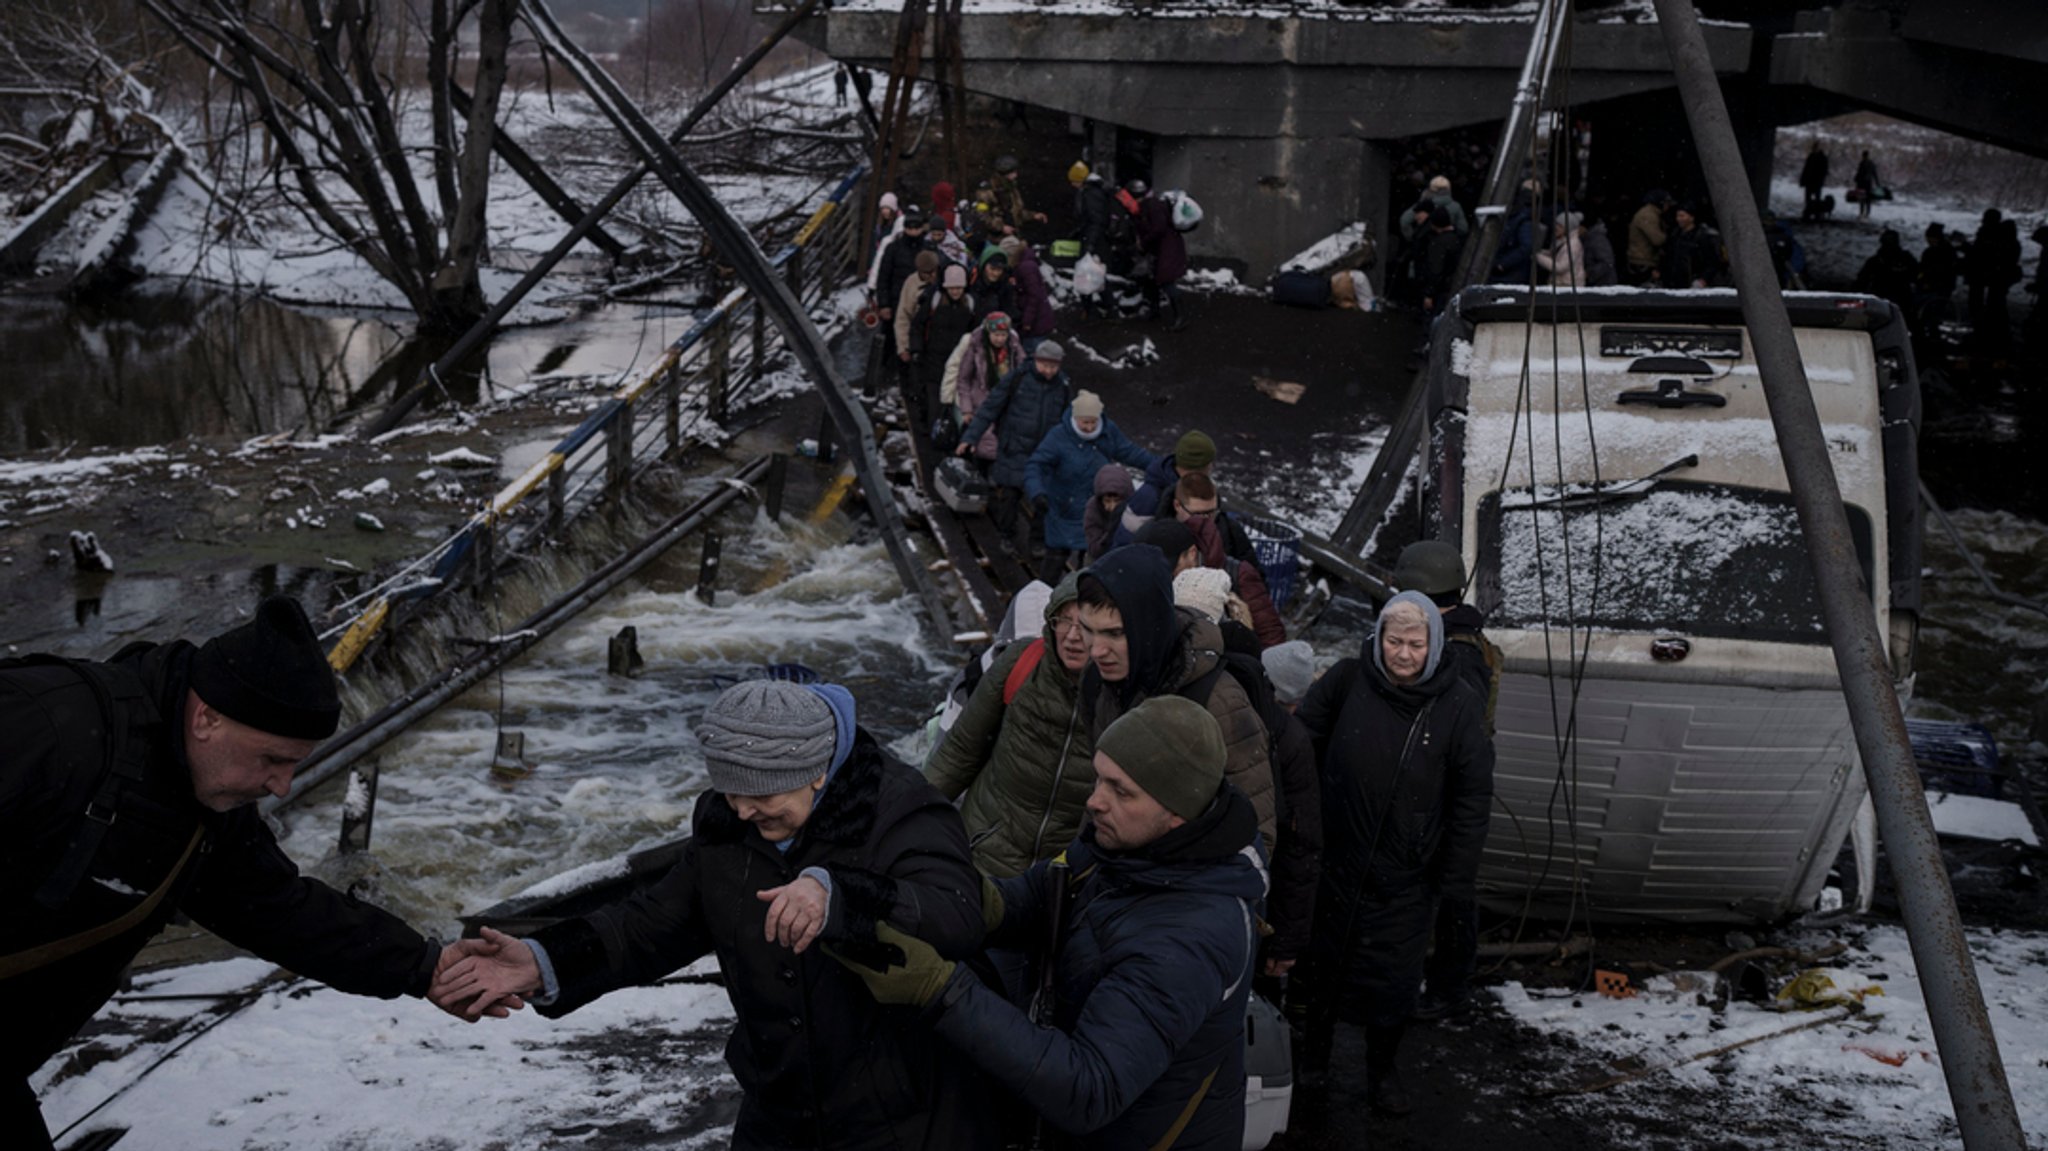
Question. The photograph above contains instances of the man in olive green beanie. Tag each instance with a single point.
(1172, 749)
(1145, 1046)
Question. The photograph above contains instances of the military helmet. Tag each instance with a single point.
(1431, 567)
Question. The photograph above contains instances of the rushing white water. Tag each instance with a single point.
(616, 764)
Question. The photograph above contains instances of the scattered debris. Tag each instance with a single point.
(1286, 391)
(87, 553)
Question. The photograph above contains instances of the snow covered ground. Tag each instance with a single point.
(1864, 1078)
(306, 1068)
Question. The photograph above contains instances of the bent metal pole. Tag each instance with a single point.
(1955, 1004)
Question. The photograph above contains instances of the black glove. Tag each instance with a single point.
(1038, 507)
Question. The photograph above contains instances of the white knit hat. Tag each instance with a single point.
(1206, 590)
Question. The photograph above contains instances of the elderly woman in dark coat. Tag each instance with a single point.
(1407, 783)
(812, 834)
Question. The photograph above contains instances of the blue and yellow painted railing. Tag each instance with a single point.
(371, 620)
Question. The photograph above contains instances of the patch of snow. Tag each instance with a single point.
(462, 458)
(1978, 817)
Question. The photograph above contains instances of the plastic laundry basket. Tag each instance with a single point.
(1278, 549)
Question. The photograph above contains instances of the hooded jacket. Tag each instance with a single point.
(1098, 524)
(821, 1064)
(1176, 651)
(1153, 973)
(1157, 235)
(1023, 407)
(1407, 774)
(238, 883)
(1063, 470)
(1034, 299)
(971, 374)
(1021, 771)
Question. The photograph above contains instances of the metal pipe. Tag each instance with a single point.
(770, 295)
(1383, 479)
(402, 406)
(1948, 978)
(338, 753)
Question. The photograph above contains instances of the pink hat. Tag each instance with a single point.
(956, 276)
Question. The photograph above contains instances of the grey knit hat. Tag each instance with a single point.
(1292, 668)
(1050, 351)
(765, 737)
(1173, 748)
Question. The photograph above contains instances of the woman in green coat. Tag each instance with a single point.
(1021, 751)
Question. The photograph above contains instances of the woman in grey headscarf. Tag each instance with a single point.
(1407, 773)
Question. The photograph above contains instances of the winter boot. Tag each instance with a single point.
(1383, 1086)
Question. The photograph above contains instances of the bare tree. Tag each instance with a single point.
(320, 77)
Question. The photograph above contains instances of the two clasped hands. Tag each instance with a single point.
(497, 974)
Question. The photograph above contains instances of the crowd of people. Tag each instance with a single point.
(1547, 239)
(1142, 817)
(984, 377)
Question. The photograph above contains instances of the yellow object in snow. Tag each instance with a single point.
(1814, 988)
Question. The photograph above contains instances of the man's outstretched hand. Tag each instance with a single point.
(488, 976)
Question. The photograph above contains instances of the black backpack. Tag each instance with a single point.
(126, 732)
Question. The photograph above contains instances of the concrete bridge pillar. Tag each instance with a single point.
(1264, 198)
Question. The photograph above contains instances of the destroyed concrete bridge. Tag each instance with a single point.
(1303, 105)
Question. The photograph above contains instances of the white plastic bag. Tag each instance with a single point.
(1187, 215)
(1089, 274)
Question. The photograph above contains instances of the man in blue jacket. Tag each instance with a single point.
(1025, 405)
(1154, 966)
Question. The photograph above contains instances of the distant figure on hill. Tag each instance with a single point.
(1813, 177)
(1866, 185)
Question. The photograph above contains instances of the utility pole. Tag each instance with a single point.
(1948, 977)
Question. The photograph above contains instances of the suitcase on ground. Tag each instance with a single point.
(1301, 290)
(960, 486)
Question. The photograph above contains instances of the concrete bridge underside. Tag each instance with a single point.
(1976, 69)
(1279, 125)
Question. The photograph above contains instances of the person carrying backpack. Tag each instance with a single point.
(1297, 852)
(1019, 759)
(127, 796)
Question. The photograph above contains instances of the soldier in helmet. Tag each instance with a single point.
(1437, 570)
(1010, 213)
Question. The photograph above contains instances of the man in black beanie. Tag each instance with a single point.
(126, 796)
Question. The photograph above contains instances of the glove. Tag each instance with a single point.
(913, 977)
(991, 906)
(1038, 506)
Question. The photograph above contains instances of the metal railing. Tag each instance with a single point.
(711, 371)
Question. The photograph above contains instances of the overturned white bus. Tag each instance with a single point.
(1672, 740)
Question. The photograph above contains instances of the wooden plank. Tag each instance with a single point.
(1009, 574)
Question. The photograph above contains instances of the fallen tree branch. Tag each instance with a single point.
(1834, 1016)
(1804, 959)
